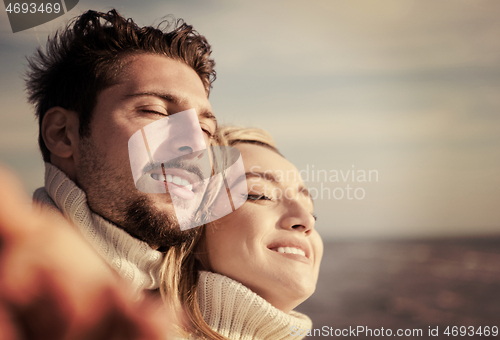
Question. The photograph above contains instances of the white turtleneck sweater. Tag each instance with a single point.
(133, 259)
(234, 311)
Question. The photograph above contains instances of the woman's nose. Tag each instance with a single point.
(298, 218)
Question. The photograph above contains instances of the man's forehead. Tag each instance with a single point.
(147, 71)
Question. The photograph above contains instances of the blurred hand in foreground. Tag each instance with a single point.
(54, 286)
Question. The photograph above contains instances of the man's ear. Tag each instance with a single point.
(60, 132)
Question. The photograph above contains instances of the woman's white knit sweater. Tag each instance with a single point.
(234, 311)
(133, 259)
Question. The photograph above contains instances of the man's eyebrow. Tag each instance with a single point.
(165, 96)
(209, 115)
(176, 100)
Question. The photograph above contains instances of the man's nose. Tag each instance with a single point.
(187, 136)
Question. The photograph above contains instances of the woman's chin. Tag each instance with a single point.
(288, 302)
(286, 295)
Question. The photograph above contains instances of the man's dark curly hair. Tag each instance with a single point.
(87, 56)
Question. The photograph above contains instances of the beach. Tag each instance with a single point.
(407, 285)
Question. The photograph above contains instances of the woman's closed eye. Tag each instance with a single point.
(257, 197)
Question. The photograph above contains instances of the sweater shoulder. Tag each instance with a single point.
(43, 204)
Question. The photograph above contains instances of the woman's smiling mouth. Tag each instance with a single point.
(293, 249)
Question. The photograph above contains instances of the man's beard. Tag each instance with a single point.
(145, 222)
(111, 193)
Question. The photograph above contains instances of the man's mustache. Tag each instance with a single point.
(185, 162)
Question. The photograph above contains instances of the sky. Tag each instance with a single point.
(405, 90)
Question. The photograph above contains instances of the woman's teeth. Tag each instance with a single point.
(291, 250)
(173, 179)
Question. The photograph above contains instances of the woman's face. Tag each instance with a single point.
(269, 244)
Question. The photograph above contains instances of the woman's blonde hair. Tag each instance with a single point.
(232, 135)
(179, 272)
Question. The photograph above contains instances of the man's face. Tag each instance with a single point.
(170, 156)
(150, 88)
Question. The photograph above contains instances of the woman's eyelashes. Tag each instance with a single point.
(257, 197)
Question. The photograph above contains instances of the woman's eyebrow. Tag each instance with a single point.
(263, 175)
(248, 175)
(270, 177)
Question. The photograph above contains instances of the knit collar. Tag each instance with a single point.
(134, 260)
(234, 311)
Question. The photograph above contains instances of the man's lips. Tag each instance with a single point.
(175, 180)
(177, 176)
(179, 182)
(180, 191)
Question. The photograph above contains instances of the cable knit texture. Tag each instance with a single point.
(133, 259)
(234, 311)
